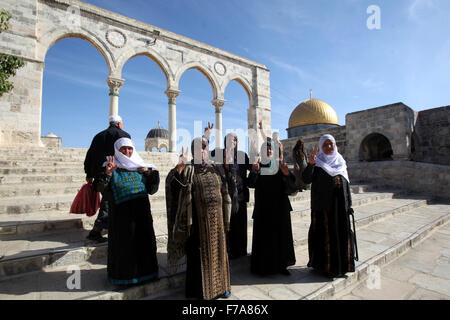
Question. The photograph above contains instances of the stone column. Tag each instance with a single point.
(218, 103)
(172, 94)
(114, 87)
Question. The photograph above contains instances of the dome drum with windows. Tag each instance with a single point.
(311, 115)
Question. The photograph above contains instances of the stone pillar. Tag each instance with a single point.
(218, 103)
(114, 87)
(172, 94)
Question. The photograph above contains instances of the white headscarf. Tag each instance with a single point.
(122, 161)
(334, 164)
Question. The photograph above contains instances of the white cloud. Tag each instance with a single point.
(138, 78)
(291, 68)
(83, 81)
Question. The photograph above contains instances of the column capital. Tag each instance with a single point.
(172, 94)
(114, 85)
(218, 103)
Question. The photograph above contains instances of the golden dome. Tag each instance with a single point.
(312, 111)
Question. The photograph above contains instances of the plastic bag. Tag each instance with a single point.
(86, 201)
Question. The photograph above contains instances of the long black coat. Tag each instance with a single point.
(102, 146)
(322, 187)
(331, 242)
(273, 245)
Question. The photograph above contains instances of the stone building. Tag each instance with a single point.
(391, 145)
(391, 132)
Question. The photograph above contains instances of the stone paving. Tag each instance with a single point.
(423, 273)
(42, 245)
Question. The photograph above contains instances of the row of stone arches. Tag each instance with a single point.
(86, 44)
(115, 65)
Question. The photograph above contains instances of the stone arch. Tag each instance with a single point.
(244, 83)
(204, 70)
(375, 147)
(153, 55)
(162, 146)
(46, 41)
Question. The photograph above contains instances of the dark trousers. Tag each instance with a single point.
(102, 218)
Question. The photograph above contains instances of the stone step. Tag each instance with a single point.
(378, 243)
(34, 191)
(16, 212)
(377, 247)
(37, 190)
(60, 202)
(24, 246)
(6, 166)
(18, 159)
(36, 184)
(15, 180)
(60, 168)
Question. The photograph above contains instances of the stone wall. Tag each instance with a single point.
(416, 177)
(431, 136)
(311, 139)
(51, 142)
(395, 122)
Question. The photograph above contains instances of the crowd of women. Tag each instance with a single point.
(207, 212)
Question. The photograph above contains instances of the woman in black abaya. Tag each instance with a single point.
(331, 242)
(272, 245)
(131, 238)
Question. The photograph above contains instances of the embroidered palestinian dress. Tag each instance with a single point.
(198, 208)
(331, 244)
(131, 237)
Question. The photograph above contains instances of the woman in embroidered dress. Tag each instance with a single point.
(198, 211)
(131, 237)
(331, 242)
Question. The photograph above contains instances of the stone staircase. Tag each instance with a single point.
(40, 240)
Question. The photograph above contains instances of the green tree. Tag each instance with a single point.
(8, 63)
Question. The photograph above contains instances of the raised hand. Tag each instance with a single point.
(284, 167)
(313, 156)
(208, 130)
(256, 166)
(110, 166)
(183, 159)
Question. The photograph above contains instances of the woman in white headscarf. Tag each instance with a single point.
(331, 242)
(127, 180)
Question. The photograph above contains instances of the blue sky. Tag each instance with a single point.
(323, 45)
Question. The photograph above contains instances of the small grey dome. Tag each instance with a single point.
(158, 132)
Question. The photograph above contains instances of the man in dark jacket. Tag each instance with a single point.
(102, 146)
